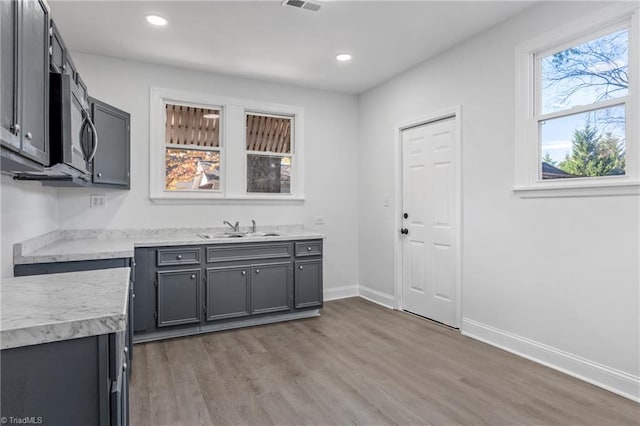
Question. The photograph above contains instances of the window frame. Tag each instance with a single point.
(232, 146)
(528, 110)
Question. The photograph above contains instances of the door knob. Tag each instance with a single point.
(193, 277)
(300, 267)
(404, 231)
(406, 215)
(16, 129)
(179, 256)
(244, 272)
(28, 136)
(257, 271)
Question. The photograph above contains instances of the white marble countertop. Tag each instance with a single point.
(48, 308)
(95, 244)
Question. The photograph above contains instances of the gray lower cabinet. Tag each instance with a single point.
(308, 283)
(271, 287)
(70, 382)
(189, 289)
(228, 292)
(178, 297)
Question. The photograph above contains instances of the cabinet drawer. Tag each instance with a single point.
(308, 248)
(172, 257)
(248, 252)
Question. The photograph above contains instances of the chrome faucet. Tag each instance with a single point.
(235, 228)
(253, 226)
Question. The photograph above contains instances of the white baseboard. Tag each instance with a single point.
(334, 293)
(608, 378)
(375, 296)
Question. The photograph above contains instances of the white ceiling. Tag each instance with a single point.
(267, 41)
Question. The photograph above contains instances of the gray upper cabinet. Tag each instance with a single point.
(178, 297)
(228, 292)
(25, 79)
(9, 74)
(111, 165)
(271, 289)
(58, 52)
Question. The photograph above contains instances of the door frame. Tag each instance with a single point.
(452, 112)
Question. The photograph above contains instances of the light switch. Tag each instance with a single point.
(319, 220)
(386, 200)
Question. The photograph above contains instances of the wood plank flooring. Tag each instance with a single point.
(358, 364)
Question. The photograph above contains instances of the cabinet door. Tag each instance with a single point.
(57, 57)
(111, 163)
(271, 287)
(35, 80)
(308, 283)
(228, 292)
(178, 297)
(9, 74)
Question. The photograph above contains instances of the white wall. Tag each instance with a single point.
(330, 149)
(554, 279)
(28, 210)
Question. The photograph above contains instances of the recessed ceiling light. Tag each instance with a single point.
(156, 20)
(343, 57)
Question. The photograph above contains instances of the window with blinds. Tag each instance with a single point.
(192, 148)
(269, 153)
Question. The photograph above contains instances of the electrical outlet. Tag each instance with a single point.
(98, 201)
(319, 220)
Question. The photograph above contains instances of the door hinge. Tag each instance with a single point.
(204, 311)
(50, 31)
(155, 315)
(155, 283)
(50, 51)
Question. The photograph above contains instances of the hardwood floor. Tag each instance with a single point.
(358, 363)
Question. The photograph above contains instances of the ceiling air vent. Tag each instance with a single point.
(301, 4)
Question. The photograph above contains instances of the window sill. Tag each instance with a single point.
(220, 199)
(553, 190)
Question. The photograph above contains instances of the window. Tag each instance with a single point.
(268, 153)
(211, 148)
(575, 98)
(192, 148)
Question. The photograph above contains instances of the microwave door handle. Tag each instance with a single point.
(95, 139)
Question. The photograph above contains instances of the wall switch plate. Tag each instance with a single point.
(386, 200)
(319, 220)
(98, 201)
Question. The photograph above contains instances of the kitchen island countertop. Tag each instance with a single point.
(48, 308)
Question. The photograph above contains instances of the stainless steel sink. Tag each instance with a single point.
(225, 235)
(237, 235)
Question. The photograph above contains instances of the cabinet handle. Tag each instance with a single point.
(300, 267)
(99, 174)
(308, 248)
(16, 129)
(193, 277)
(257, 271)
(28, 136)
(244, 272)
(179, 256)
(126, 350)
(64, 67)
(124, 366)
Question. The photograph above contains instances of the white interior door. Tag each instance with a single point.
(430, 228)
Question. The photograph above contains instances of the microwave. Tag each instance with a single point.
(73, 139)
